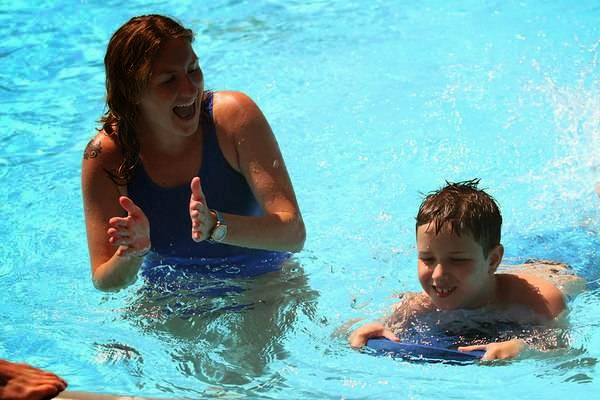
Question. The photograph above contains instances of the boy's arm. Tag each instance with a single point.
(540, 339)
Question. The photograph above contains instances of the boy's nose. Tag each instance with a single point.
(438, 271)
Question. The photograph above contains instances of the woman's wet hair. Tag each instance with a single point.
(465, 209)
(128, 64)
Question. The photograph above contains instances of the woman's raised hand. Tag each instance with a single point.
(203, 219)
(130, 233)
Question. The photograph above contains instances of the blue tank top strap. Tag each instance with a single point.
(225, 188)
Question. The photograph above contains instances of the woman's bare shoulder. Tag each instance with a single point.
(103, 150)
(234, 110)
(231, 99)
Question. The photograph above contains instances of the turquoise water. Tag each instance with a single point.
(372, 103)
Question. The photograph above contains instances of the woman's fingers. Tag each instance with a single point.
(200, 214)
(118, 221)
(130, 233)
(129, 206)
(197, 194)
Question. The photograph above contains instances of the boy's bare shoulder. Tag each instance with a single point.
(531, 291)
(410, 305)
(412, 300)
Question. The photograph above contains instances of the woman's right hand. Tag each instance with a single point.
(131, 233)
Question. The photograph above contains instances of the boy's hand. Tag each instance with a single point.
(497, 350)
(359, 337)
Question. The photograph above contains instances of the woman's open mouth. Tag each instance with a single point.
(185, 111)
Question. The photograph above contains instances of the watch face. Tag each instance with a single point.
(219, 233)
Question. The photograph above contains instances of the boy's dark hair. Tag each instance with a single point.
(465, 209)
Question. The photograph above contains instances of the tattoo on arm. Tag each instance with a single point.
(92, 150)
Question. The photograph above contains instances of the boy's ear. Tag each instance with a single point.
(495, 257)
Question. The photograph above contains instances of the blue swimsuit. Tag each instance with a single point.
(167, 210)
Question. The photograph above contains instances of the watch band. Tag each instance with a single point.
(219, 231)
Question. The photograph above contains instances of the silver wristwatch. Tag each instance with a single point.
(219, 232)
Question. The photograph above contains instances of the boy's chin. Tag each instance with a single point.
(446, 304)
(445, 307)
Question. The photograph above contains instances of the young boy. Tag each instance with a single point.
(459, 251)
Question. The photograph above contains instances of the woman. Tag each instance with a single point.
(178, 171)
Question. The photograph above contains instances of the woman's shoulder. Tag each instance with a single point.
(233, 110)
(225, 99)
(103, 148)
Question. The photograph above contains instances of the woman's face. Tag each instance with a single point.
(170, 104)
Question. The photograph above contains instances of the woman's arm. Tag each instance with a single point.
(118, 232)
(250, 147)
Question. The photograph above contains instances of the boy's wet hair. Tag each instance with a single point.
(465, 209)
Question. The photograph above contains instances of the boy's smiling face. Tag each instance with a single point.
(453, 270)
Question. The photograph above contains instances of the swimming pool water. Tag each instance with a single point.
(372, 103)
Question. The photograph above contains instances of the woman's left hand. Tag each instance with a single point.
(497, 350)
(203, 219)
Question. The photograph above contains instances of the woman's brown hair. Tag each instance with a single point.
(128, 64)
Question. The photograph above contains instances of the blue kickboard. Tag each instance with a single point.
(416, 351)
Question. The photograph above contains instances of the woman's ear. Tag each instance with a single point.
(495, 257)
